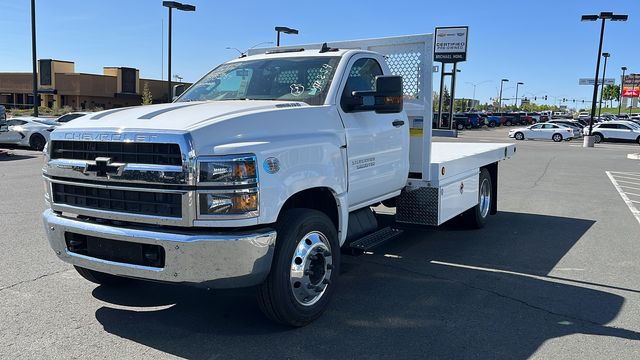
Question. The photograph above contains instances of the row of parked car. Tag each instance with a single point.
(29, 131)
(476, 120)
(614, 129)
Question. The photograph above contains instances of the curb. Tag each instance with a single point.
(635, 156)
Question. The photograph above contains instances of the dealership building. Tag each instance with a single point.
(59, 85)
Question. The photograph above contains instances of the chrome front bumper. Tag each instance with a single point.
(220, 260)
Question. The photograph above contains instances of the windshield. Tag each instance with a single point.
(305, 79)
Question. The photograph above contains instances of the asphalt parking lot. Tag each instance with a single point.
(556, 274)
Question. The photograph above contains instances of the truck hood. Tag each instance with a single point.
(182, 116)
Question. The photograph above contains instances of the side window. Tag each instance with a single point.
(623, 127)
(537, 126)
(362, 77)
(548, 126)
(605, 126)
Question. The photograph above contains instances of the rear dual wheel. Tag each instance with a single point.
(476, 217)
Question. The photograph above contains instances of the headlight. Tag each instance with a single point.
(228, 170)
(237, 177)
(242, 203)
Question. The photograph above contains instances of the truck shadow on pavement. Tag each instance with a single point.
(437, 293)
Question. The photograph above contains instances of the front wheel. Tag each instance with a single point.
(476, 217)
(460, 127)
(597, 138)
(305, 268)
(519, 136)
(557, 137)
(492, 124)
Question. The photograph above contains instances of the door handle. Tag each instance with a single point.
(397, 123)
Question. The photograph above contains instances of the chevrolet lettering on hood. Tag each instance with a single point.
(123, 137)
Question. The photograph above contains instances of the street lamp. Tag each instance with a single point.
(178, 6)
(286, 30)
(34, 60)
(604, 72)
(500, 102)
(244, 53)
(517, 84)
(476, 84)
(602, 16)
(624, 68)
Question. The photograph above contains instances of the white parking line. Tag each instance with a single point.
(630, 203)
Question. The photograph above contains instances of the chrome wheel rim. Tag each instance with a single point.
(485, 198)
(311, 267)
(556, 137)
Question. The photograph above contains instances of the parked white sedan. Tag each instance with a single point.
(25, 131)
(543, 131)
(619, 130)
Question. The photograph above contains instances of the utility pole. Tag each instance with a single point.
(604, 72)
(34, 60)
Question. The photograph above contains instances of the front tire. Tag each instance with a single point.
(476, 217)
(519, 136)
(305, 268)
(37, 142)
(460, 127)
(557, 137)
(102, 278)
(597, 138)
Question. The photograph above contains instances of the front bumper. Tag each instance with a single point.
(218, 260)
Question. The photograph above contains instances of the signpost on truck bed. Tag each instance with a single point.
(450, 46)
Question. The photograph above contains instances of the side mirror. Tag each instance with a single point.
(385, 99)
(4, 127)
(178, 90)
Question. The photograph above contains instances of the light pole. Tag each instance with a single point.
(624, 68)
(178, 6)
(34, 60)
(500, 102)
(517, 84)
(244, 53)
(286, 30)
(604, 72)
(588, 141)
(474, 86)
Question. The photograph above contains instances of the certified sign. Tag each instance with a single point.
(450, 44)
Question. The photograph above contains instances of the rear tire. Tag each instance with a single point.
(292, 294)
(491, 124)
(476, 217)
(557, 137)
(102, 278)
(37, 142)
(460, 127)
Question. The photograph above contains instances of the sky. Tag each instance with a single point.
(541, 43)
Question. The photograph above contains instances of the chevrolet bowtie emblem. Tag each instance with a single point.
(102, 166)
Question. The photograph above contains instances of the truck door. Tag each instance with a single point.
(377, 144)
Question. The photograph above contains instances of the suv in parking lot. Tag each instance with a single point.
(616, 131)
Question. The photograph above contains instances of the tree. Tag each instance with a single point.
(610, 93)
(147, 97)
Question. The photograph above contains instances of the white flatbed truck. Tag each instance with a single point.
(262, 171)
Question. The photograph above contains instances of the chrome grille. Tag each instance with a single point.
(120, 152)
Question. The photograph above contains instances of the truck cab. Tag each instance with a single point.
(261, 172)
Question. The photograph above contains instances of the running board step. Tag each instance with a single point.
(375, 239)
